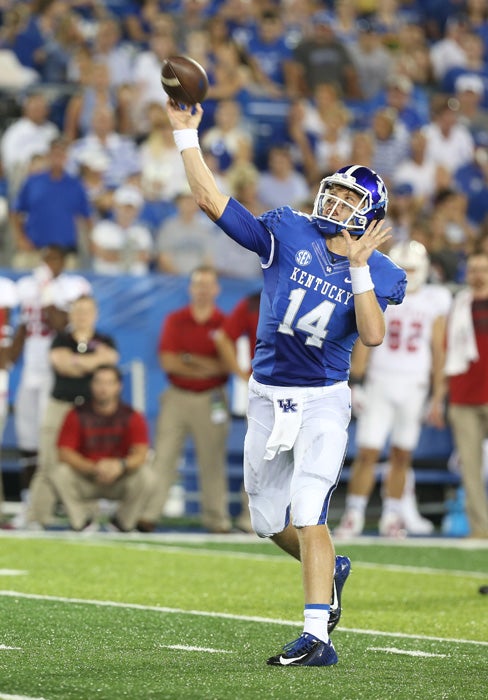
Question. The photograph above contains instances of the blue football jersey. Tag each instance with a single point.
(307, 324)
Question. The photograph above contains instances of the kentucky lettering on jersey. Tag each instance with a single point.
(307, 323)
(318, 284)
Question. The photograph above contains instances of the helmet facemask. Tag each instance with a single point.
(354, 217)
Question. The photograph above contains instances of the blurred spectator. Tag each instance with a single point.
(124, 245)
(121, 151)
(388, 18)
(109, 50)
(230, 258)
(322, 58)
(474, 64)
(402, 211)
(31, 42)
(163, 174)
(185, 240)
(419, 172)
(469, 93)
(448, 51)
(92, 165)
(391, 140)
(44, 297)
(362, 148)
(449, 142)
(96, 94)
(373, 61)
(103, 453)
(8, 296)
(147, 76)
(140, 19)
(281, 183)
(228, 140)
(270, 53)
(466, 362)
(400, 95)
(194, 404)
(326, 150)
(451, 207)
(74, 356)
(51, 207)
(346, 21)
(412, 57)
(472, 180)
(28, 136)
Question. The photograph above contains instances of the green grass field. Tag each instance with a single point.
(164, 617)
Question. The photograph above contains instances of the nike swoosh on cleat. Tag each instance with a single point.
(287, 662)
(335, 600)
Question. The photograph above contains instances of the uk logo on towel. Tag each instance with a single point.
(287, 405)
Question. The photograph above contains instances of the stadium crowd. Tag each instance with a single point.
(297, 90)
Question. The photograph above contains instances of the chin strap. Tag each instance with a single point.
(327, 228)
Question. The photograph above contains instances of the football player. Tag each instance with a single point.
(324, 284)
(398, 377)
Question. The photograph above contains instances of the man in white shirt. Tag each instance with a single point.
(44, 297)
(28, 136)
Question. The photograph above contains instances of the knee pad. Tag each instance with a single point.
(310, 504)
(264, 518)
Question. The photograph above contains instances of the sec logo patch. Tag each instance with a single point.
(303, 257)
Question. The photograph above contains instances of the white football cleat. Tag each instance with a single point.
(414, 522)
(351, 524)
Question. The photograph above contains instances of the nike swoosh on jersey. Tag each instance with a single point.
(287, 662)
(347, 280)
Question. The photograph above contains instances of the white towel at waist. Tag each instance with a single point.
(287, 421)
(461, 339)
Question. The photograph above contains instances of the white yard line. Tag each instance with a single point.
(13, 572)
(106, 540)
(5, 648)
(230, 616)
(183, 647)
(3, 696)
(406, 652)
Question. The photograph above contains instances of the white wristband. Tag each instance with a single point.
(361, 279)
(186, 138)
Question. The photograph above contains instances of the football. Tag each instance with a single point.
(184, 80)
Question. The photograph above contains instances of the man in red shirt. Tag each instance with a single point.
(194, 404)
(103, 450)
(466, 368)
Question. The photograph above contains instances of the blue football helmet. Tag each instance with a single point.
(355, 218)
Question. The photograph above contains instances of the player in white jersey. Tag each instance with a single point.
(8, 301)
(398, 377)
(44, 297)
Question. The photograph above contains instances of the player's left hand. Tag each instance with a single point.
(359, 250)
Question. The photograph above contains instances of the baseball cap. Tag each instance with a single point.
(471, 82)
(93, 159)
(128, 195)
